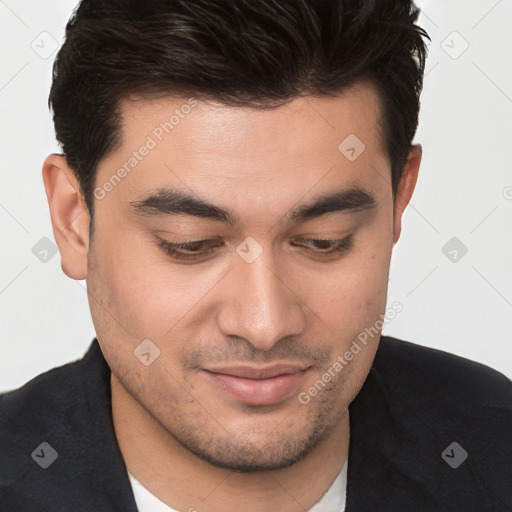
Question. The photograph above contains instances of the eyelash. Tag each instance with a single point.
(173, 249)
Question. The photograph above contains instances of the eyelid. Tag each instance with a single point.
(169, 246)
(315, 239)
(173, 249)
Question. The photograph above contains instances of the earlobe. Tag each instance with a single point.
(406, 188)
(69, 215)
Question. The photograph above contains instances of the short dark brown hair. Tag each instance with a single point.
(239, 52)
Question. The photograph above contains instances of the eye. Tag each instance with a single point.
(190, 249)
(325, 245)
(199, 249)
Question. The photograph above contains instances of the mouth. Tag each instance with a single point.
(257, 385)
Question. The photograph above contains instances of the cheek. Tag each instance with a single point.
(351, 294)
(349, 302)
(148, 294)
(118, 278)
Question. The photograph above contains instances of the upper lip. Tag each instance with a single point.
(253, 372)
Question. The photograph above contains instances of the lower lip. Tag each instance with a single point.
(258, 391)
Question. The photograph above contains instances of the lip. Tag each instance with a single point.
(257, 385)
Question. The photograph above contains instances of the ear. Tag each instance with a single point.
(69, 214)
(406, 188)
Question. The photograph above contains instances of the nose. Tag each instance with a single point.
(260, 303)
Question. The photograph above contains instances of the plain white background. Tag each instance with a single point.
(464, 191)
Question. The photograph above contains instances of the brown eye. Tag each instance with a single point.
(189, 249)
(199, 249)
(326, 245)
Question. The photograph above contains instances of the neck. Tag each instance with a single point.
(185, 482)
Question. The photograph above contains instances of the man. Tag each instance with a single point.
(232, 184)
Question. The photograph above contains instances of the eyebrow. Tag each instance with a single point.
(171, 201)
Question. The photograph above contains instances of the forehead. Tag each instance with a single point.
(307, 118)
(264, 155)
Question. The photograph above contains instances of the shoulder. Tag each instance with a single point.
(421, 414)
(40, 395)
(57, 442)
(420, 372)
(44, 408)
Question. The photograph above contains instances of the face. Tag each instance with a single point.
(286, 239)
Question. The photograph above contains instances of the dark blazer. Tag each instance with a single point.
(415, 404)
